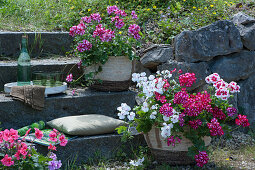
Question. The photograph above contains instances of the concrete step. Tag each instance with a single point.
(39, 43)
(8, 69)
(95, 148)
(15, 114)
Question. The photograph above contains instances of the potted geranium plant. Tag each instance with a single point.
(177, 124)
(105, 43)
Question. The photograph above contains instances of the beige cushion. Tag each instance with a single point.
(92, 124)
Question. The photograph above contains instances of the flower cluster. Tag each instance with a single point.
(222, 88)
(215, 128)
(134, 31)
(166, 110)
(195, 123)
(17, 152)
(201, 158)
(124, 110)
(169, 106)
(76, 30)
(55, 136)
(242, 121)
(231, 111)
(54, 164)
(187, 79)
(172, 140)
(84, 46)
(197, 104)
(69, 77)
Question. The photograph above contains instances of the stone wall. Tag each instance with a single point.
(39, 44)
(224, 47)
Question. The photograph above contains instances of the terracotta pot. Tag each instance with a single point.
(173, 155)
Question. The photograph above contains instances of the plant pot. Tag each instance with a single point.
(172, 155)
(115, 75)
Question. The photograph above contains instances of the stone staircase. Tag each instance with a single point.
(15, 114)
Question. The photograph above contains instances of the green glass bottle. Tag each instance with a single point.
(24, 65)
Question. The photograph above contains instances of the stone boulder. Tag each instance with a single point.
(242, 18)
(246, 98)
(219, 38)
(246, 27)
(139, 68)
(156, 55)
(234, 67)
(200, 69)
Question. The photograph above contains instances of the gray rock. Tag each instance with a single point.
(156, 55)
(242, 18)
(219, 38)
(201, 70)
(246, 27)
(246, 98)
(234, 67)
(39, 44)
(139, 68)
(15, 114)
(247, 33)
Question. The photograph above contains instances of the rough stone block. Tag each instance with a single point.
(246, 98)
(156, 55)
(219, 38)
(234, 67)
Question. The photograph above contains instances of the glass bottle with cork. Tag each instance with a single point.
(24, 64)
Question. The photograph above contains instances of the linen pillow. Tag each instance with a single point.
(83, 125)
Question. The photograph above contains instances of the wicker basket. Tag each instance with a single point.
(173, 155)
(115, 75)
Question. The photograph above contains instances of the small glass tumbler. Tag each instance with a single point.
(37, 77)
(58, 78)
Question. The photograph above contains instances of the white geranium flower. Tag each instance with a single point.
(145, 107)
(143, 74)
(151, 77)
(154, 107)
(166, 130)
(131, 116)
(153, 115)
(121, 115)
(165, 118)
(135, 77)
(137, 163)
(175, 118)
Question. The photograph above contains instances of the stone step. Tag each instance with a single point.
(94, 148)
(39, 43)
(8, 69)
(15, 114)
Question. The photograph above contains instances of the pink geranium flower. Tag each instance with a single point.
(52, 147)
(7, 161)
(38, 134)
(53, 136)
(63, 140)
(69, 78)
